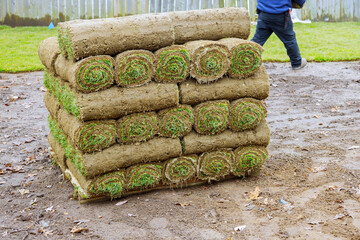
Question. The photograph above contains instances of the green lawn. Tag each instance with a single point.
(318, 42)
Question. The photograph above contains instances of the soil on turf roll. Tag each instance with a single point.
(211, 117)
(249, 159)
(134, 68)
(176, 122)
(137, 127)
(144, 176)
(194, 143)
(172, 64)
(114, 102)
(246, 113)
(178, 171)
(48, 52)
(256, 86)
(88, 75)
(210, 24)
(245, 57)
(210, 60)
(215, 165)
(90, 136)
(57, 153)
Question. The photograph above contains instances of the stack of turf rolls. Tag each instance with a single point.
(155, 101)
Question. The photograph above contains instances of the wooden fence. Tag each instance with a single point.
(42, 12)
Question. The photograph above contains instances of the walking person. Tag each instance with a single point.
(274, 17)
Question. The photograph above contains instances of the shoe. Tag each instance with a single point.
(302, 65)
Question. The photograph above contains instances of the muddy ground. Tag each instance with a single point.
(308, 189)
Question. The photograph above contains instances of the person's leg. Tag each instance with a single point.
(288, 37)
(263, 32)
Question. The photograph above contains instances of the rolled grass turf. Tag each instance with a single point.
(144, 176)
(114, 102)
(137, 127)
(215, 165)
(88, 137)
(57, 152)
(82, 38)
(249, 159)
(90, 74)
(48, 52)
(256, 86)
(194, 143)
(246, 113)
(180, 170)
(245, 57)
(211, 117)
(134, 68)
(176, 122)
(210, 60)
(110, 184)
(172, 64)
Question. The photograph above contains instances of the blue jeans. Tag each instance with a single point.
(268, 23)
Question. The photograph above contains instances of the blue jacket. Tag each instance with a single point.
(276, 6)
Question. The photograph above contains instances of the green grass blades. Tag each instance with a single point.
(246, 114)
(95, 73)
(137, 127)
(144, 176)
(62, 92)
(245, 60)
(70, 152)
(215, 165)
(249, 159)
(134, 68)
(110, 184)
(181, 169)
(211, 117)
(61, 41)
(176, 122)
(210, 62)
(172, 64)
(96, 136)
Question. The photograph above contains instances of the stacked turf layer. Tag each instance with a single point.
(149, 114)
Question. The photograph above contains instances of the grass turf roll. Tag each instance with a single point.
(245, 57)
(249, 159)
(110, 184)
(181, 169)
(246, 113)
(61, 35)
(176, 122)
(48, 52)
(134, 68)
(87, 75)
(90, 136)
(137, 127)
(211, 117)
(209, 60)
(172, 64)
(215, 165)
(256, 86)
(57, 153)
(194, 143)
(144, 176)
(114, 102)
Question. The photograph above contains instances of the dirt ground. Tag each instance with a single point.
(308, 189)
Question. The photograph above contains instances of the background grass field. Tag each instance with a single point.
(318, 41)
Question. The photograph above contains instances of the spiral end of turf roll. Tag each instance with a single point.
(138, 127)
(249, 159)
(181, 169)
(246, 114)
(176, 122)
(95, 73)
(172, 64)
(209, 61)
(110, 184)
(144, 176)
(96, 136)
(134, 68)
(215, 165)
(211, 117)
